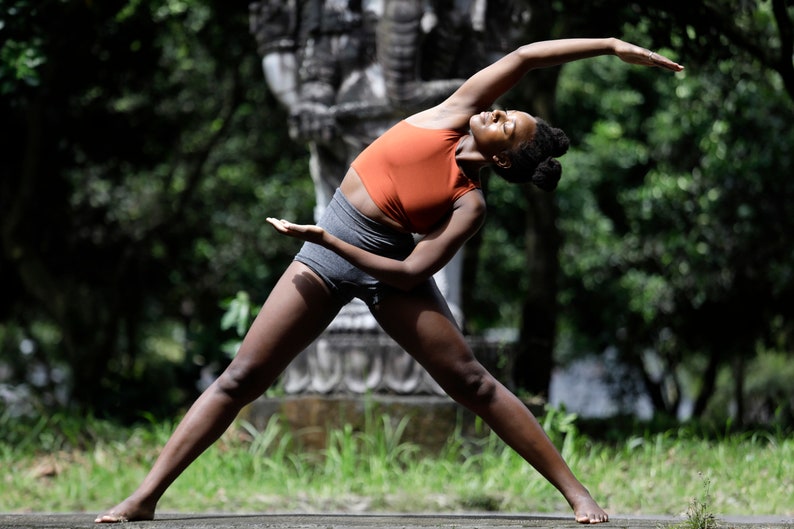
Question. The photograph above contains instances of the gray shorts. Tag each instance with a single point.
(346, 281)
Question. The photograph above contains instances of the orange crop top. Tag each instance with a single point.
(412, 176)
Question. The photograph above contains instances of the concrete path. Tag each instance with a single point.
(374, 521)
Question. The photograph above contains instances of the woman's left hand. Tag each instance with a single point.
(633, 54)
(305, 232)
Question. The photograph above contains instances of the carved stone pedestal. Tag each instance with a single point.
(360, 363)
(431, 421)
(347, 71)
(352, 378)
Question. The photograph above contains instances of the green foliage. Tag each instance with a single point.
(501, 262)
(768, 394)
(21, 52)
(562, 430)
(19, 62)
(142, 153)
(142, 165)
(240, 312)
(673, 214)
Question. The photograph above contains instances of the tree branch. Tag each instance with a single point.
(784, 62)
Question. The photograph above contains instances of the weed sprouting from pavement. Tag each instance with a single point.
(699, 515)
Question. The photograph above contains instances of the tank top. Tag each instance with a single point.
(411, 174)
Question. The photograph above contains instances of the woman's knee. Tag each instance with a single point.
(241, 382)
(473, 386)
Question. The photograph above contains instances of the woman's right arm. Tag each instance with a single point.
(428, 256)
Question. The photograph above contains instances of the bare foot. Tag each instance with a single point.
(126, 511)
(586, 510)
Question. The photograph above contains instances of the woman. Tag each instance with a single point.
(421, 176)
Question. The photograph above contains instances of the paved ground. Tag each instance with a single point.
(373, 521)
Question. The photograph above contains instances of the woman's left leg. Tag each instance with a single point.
(420, 321)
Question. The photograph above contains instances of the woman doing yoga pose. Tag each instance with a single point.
(421, 176)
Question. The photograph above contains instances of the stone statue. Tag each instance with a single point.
(347, 70)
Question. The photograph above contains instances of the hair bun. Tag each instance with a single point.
(547, 174)
(560, 143)
(535, 160)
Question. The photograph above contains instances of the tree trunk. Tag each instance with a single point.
(709, 384)
(534, 361)
(738, 389)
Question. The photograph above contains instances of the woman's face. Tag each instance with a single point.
(498, 131)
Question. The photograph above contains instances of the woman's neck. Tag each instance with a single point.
(469, 158)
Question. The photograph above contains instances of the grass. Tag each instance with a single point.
(699, 515)
(64, 464)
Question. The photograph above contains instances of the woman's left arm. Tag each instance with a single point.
(428, 257)
(480, 91)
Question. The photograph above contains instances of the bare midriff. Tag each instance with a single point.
(355, 192)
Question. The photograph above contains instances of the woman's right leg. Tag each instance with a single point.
(297, 310)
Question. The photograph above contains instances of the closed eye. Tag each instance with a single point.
(509, 120)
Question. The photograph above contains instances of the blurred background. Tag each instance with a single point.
(142, 151)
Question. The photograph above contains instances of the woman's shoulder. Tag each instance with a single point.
(473, 200)
(440, 117)
(470, 210)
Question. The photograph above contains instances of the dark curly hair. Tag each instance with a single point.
(535, 160)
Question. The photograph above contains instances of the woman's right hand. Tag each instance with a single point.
(304, 232)
(634, 54)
